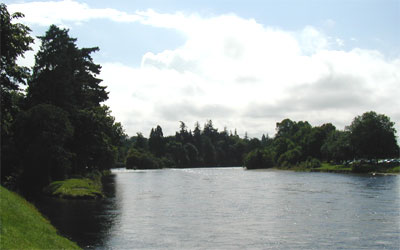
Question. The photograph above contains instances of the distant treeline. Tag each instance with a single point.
(369, 136)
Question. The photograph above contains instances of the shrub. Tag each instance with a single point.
(139, 159)
(259, 158)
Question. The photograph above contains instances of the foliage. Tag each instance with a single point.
(140, 159)
(23, 227)
(14, 41)
(64, 75)
(157, 142)
(42, 133)
(373, 136)
(296, 145)
(310, 163)
(290, 157)
(337, 146)
(62, 128)
(259, 158)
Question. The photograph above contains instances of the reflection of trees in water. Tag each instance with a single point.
(87, 222)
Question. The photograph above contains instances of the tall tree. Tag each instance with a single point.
(373, 136)
(42, 133)
(14, 42)
(157, 142)
(337, 146)
(64, 75)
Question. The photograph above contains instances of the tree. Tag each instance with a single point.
(337, 146)
(140, 159)
(316, 138)
(64, 75)
(373, 136)
(210, 154)
(177, 153)
(192, 154)
(259, 158)
(14, 42)
(95, 139)
(140, 142)
(42, 133)
(157, 142)
(285, 128)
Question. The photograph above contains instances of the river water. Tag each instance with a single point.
(231, 208)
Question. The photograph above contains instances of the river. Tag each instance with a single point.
(231, 208)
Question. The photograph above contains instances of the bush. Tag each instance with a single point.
(290, 157)
(139, 159)
(312, 163)
(259, 158)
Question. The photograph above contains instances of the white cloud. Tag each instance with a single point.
(237, 72)
(339, 42)
(60, 12)
(245, 75)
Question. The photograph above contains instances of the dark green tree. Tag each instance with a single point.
(259, 158)
(315, 139)
(373, 136)
(42, 133)
(192, 154)
(210, 154)
(176, 151)
(141, 142)
(64, 75)
(140, 159)
(157, 142)
(14, 42)
(96, 139)
(197, 138)
(337, 147)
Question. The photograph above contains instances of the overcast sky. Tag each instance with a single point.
(243, 64)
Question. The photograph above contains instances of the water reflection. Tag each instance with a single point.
(236, 209)
(87, 222)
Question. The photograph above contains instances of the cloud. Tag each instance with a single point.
(60, 12)
(242, 74)
(237, 72)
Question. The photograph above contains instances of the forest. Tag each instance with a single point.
(58, 127)
(369, 137)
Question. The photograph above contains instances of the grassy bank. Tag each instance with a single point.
(327, 167)
(364, 168)
(82, 188)
(23, 227)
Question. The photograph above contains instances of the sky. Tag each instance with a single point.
(245, 65)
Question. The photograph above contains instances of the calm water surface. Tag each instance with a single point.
(230, 208)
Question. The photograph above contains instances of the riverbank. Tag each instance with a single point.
(365, 168)
(89, 187)
(23, 227)
(75, 189)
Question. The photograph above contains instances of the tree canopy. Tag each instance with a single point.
(373, 136)
(61, 126)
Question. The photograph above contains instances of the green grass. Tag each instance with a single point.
(23, 227)
(84, 188)
(393, 170)
(326, 167)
